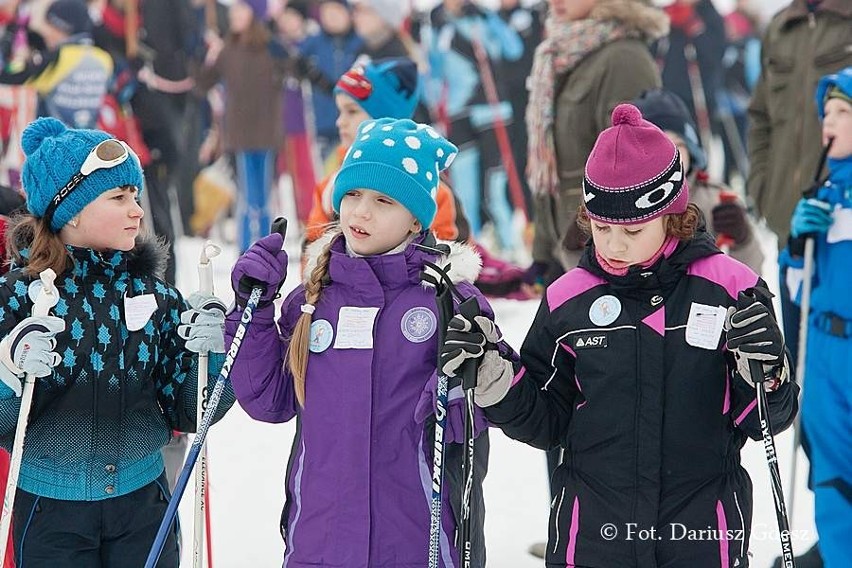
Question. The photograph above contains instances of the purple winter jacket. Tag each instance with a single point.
(359, 476)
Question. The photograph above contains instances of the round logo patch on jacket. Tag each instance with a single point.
(321, 335)
(418, 324)
(605, 310)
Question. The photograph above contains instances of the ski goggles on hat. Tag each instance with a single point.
(107, 154)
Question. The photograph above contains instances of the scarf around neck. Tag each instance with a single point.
(565, 45)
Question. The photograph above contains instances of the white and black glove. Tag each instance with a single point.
(476, 340)
(753, 334)
(28, 349)
(203, 325)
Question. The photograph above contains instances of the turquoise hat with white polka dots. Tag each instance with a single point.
(399, 158)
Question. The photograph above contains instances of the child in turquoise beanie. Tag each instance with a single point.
(353, 358)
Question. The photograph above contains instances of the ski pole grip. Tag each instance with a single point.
(814, 187)
(247, 284)
(279, 225)
(469, 309)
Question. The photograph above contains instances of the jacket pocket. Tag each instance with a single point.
(781, 80)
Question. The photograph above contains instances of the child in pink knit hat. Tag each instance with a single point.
(637, 367)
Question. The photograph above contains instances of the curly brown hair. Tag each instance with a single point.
(681, 226)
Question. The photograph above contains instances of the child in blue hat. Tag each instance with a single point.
(116, 363)
(827, 397)
(384, 88)
(355, 362)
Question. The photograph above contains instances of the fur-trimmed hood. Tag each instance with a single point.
(461, 261)
(635, 14)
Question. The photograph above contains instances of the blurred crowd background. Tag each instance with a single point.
(152, 76)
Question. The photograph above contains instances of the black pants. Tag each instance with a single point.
(113, 533)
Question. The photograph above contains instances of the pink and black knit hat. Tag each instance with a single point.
(633, 174)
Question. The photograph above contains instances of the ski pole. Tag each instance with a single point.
(804, 313)
(47, 297)
(444, 291)
(699, 101)
(757, 375)
(772, 460)
(439, 444)
(279, 226)
(205, 279)
(469, 309)
(490, 88)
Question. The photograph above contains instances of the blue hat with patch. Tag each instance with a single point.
(55, 156)
(835, 85)
(399, 158)
(383, 88)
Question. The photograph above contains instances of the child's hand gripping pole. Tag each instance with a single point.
(47, 297)
(469, 309)
(279, 226)
(205, 282)
(758, 376)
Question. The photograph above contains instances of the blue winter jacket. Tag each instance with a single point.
(830, 282)
(98, 423)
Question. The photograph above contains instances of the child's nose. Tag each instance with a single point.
(363, 208)
(617, 244)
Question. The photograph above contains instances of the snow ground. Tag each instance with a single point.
(248, 459)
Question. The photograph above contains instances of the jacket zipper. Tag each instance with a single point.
(636, 434)
(95, 384)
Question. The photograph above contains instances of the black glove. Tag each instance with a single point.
(477, 340)
(753, 334)
(729, 218)
(464, 341)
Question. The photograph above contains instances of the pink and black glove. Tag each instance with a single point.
(754, 335)
(477, 340)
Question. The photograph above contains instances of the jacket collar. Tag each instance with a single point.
(664, 274)
(147, 258)
(461, 262)
(798, 9)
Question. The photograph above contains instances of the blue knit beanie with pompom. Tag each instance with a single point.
(399, 158)
(54, 154)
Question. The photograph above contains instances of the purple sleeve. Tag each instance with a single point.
(262, 384)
